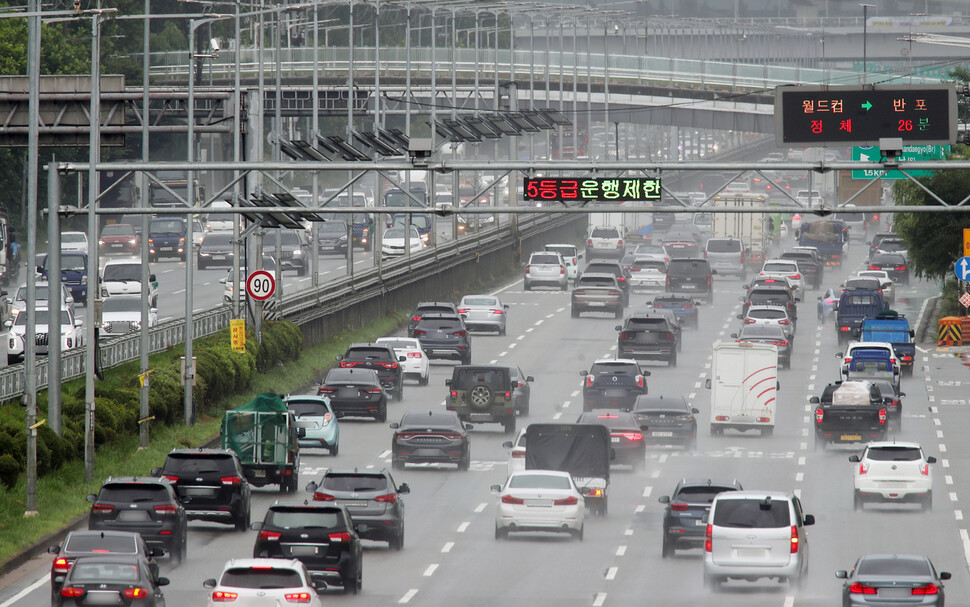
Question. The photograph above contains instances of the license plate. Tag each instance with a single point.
(352, 504)
(117, 246)
(303, 550)
(661, 434)
(699, 522)
(538, 503)
(690, 287)
(165, 249)
(198, 491)
(596, 303)
(102, 598)
(615, 439)
(751, 552)
(218, 257)
(259, 473)
(851, 437)
(133, 515)
(895, 592)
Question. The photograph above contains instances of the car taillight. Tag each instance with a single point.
(508, 499)
(874, 267)
(463, 310)
(391, 366)
(927, 589)
(562, 270)
(882, 416)
(589, 242)
(71, 592)
(781, 342)
(270, 536)
(517, 453)
(566, 501)
(102, 508)
(135, 593)
(667, 282)
(678, 507)
(322, 497)
(589, 381)
(863, 467)
(794, 539)
(630, 436)
(507, 395)
(415, 318)
(528, 269)
(924, 469)
(231, 480)
(326, 390)
(497, 311)
(858, 588)
(784, 321)
(639, 380)
(340, 536)
(749, 321)
(414, 355)
(297, 597)
(819, 415)
(172, 477)
(902, 268)
(625, 335)
(221, 596)
(418, 332)
(62, 565)
(459, 333)
(795, 276)
(671, 337)
(575, 261)
(619, 244)
(708, 539)
(166, 508)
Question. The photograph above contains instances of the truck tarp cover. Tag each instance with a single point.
(260, 422)
(582, 450)
(851, 393)
(823, 231)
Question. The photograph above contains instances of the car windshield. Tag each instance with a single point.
(118, 229)
(123, 272)
(565, 251)
(41, 293)
(121, 304)
(704, 494)
(761, 332)
(43, 318)
(199, 463)
(723, 246)
(217, 239)
(479, 301)
(891, 566)
(398, 233)
(265, 578)
(101, 543)
(538, 481)
(355, 483)
(333, 227)
(419, 221)
(296, 517)
(894, 454)
(289, 238)
(104, 572)
(73, 263)
(73, 237)
(133, 492)
(166, 226)
(752, 513)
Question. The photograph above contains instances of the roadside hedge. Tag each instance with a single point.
(221, 373)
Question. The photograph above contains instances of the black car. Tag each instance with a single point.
(111, 579)
(380, 358)
(294, 249)
(429, 307)
(211, 483)
(767, 334)
(892, 398)
(808, 264)
(144, 505)
(892, 579)
(667, 420)
(444, 336)
(82, 543)
(372, 499)
(648, 336)
(521, 390)
(355, 392)
(894, 264)
(320, 535)
(617, 270)
(216, 250)
(436, 437)
(685, 515)
(613, 384)
(332, 237)
(690, 276)
(626, 438)
(166, 238)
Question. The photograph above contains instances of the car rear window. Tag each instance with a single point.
(439, 323)
(480, 301)
(767, 314)
(402, 345)
(723, 246)
(132, 492)
(492, 377)
(703, 494)
(538, 481)
(551, 260)
(564, 251)
(596, 281)
(605, 233)
(264, 578)
(894, 454)
(858, 300)
(199, 463)
(354, 482)
(752, 513)
(104, 572)
(610, 420)
(368, 353)
(649, 264)
(646, 322)
(688, 267)
(296, 517)
(615, 369)
(101, 543)
(893, 567)
(761, 332)
(352, 376)
(889, 259)
(307, 408)
(769, 297)
(433, 309)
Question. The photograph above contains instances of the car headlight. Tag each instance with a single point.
(344, 237)
(182, 240)
(15, 312)
(298, 253)
(425, 237)
(70, 342)
(136, 325)
(101, 241)
(84, 279)
(106, 326)
(132, 241)
(12, 345)
(104, 292)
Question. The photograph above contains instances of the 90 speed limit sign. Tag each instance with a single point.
(260, 285)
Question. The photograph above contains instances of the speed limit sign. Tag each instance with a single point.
(260, 285)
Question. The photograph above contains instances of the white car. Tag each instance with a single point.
(571, 256)
(516, 449)
(237, 288)
(269, 582)
(121, 314)
(651, 251)
(393, 241)
(539, 500)
(770, 315)
(18, 303)
(76, 242)
(648, 273)
(604, 241)
(892, 471)
(784, 268)
(888, 286)
(416, 364)
(866, 345)
(219, 222)
(71, 333)
(123, 277)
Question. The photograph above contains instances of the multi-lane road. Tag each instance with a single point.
(451, 557)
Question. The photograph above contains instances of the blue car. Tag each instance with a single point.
(315, 421)
(683, 306)
(74, 274)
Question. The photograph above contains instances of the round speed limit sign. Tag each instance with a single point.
(260, 285)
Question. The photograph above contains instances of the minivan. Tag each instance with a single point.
(726, 256)
(691, 276)
(166, 238)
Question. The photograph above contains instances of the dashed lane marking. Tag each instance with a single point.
(447, 547)
(408, 596)
(948, 479)
(620, 550)
(557, 415)
(462, 527)
(481, 507)
(640, 508)
(611, 573)
(628, 532)
(565, 404)
(384, 453)
(575, 393)
(430, 570)
(647, 491)
(600, 599)
(520, 338)
(953, 497)
(958, 515)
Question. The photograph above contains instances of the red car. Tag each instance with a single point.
(119, 238)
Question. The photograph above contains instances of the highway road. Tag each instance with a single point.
(450, 555)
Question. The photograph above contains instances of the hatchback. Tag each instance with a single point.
(265, 582)
(890, 580)
(484, 313)
(770, 316)
(111, 579)
(374, 502)
(415, 364)
(893, 471)
(317, 419)
(355, 393)
(539, 500)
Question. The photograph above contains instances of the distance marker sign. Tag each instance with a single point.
(861, 115)
(260, 285)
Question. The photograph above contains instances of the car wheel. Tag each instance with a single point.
(524, 411)
(334, 449)
(465, 462)
(711, 583)
(201, 266)
(501, 331)
(184, 548)
(381, 414)
(501, 532)
(242, 523)
(302, 272)
(397, 541)
(856, 500)
(578, 534)
(423, 381)
(574, 312)
(618, 313)
(397, 464)
(509, 424)
(673, 360)
(928, 501)
(399, 395)
(526, 286)
(466, 360)
(12, 360)
(668, 549)
(692, 443)
(564, 286)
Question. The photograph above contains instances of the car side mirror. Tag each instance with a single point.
(209, 583)
(394, 425)
(530, 378)
(838, 354)
(256, 526)
(8, 323)
(153, 552)
(79, 323)
(664, 499)
(707, 383)
(404, 489)
(301, 432)
(734, 335)
(339, 357)
(507, 444)
(931, 460)
(92, 497)
(584, 490)
(495, 488)
(151, 278)
(842, 574)
(8, 301)
(618, 328)
(156, 472)
(809, 520)
(469, 427)
(40, 269)
(185, 499)
(695, 410)
(53, 549)
(741, 298)
(59, 579)
(506, 306)
(222, 280)
(902, 394)
(854, 459)
(311, 486)
(814, 400)
(447, 382)
(318, 582)
(945, 575)
(777, 385)
(713, 271)
(402, 359)
(163, 581)
(612, 454)
(798, 300)
(912, 333)
(645, 373)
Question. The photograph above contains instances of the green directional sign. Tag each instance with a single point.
(910, 152)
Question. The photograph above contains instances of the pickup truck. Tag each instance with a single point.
(855, 306)
(849, 412)
(597, 293)
(893, 328)
(869, 360)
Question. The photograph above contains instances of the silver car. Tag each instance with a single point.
(545, 268)
(18, 303)
(770, 315)
(483, 313)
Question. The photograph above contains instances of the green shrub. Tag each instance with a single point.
(9, 470)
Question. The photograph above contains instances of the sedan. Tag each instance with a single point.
(111, 580)
(216, 250)
(416, 364)
(890, 580)
(119, 238)
(315, 416)
(893, 471)
(355, 392)
(265, 582)
(770, 316)
(393, 241)
(121, 314)
(666, 419)
(483, 312)
(430, 438)
(767, 334)
(539, 500)
(626, 437)
(894, 264)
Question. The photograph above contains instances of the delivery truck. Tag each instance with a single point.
(750, 228)
(743, 384)
(264, 435)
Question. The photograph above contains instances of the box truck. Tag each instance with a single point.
(743, 384)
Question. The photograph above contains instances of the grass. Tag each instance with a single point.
(61, 494)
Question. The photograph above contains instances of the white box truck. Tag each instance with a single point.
(748, 227)
(743, 384)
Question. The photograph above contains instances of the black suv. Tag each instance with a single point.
(372, 499)
(77, 544)
(320, 535)
(614, 268)
(294, 249)
(429, 307)
(650, 336)
(482, 393)
(690, 276)
(444, 336)
(144, 505)
(381, 358)
(613, 384)
(685, 515)
(771, 296)
(211, 484)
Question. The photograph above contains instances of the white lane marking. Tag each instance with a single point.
(948, 479)
(691, 396)
(549, 315)
(799, 477)
(530, 330)
(798, 493)
(539, 322)
(503, 354)
(430, 570)
(180, 291)
(512, 345)
(953, 497)
(811, 377)
(789, 601)
(662, 458)
(384, 453)
(803, 446)
(945, 462)
(647, 491)
(628, 532)
(575, 393)
(565, 404)
(611, 573)
(163, 272)
(520, 338)
(34, 586)
(447, 547)
(963, 536)
(557, 415)
(939, 434)
(600, 599)
(958, 515)
(561, 310)
(942, 448)
(492, 362)
(462, 527)
(481, 507)
(655, 474)
(408, 596)
(937, 422)
(620, 550)
(640, 508)
(369, 466)
(801, 461)
(508, 286)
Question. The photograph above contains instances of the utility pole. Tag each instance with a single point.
(144, 411)
(30, 384)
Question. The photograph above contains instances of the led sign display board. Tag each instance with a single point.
(592, 189)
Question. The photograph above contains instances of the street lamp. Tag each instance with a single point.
(865, 41)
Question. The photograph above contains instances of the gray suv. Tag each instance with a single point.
(372, 499)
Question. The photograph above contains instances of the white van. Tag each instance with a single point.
(745, 382)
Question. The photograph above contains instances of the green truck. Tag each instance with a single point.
(264, 435)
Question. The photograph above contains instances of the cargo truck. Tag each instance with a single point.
(750, 228)
(264, 435)
(829, 236)
(744, 386)
(892, 327)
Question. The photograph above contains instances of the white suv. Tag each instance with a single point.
(604, 241)
(71, 333)
(123, 277)
(756, 534)
(784, 268)
(893, 471)
(545, 268)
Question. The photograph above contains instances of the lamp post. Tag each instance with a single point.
(865, 42)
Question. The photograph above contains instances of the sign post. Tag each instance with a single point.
(260, 285)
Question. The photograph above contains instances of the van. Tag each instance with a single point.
(726, 256)
(736, 370)
(854, 307)
(756, 534)
(166, 238)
